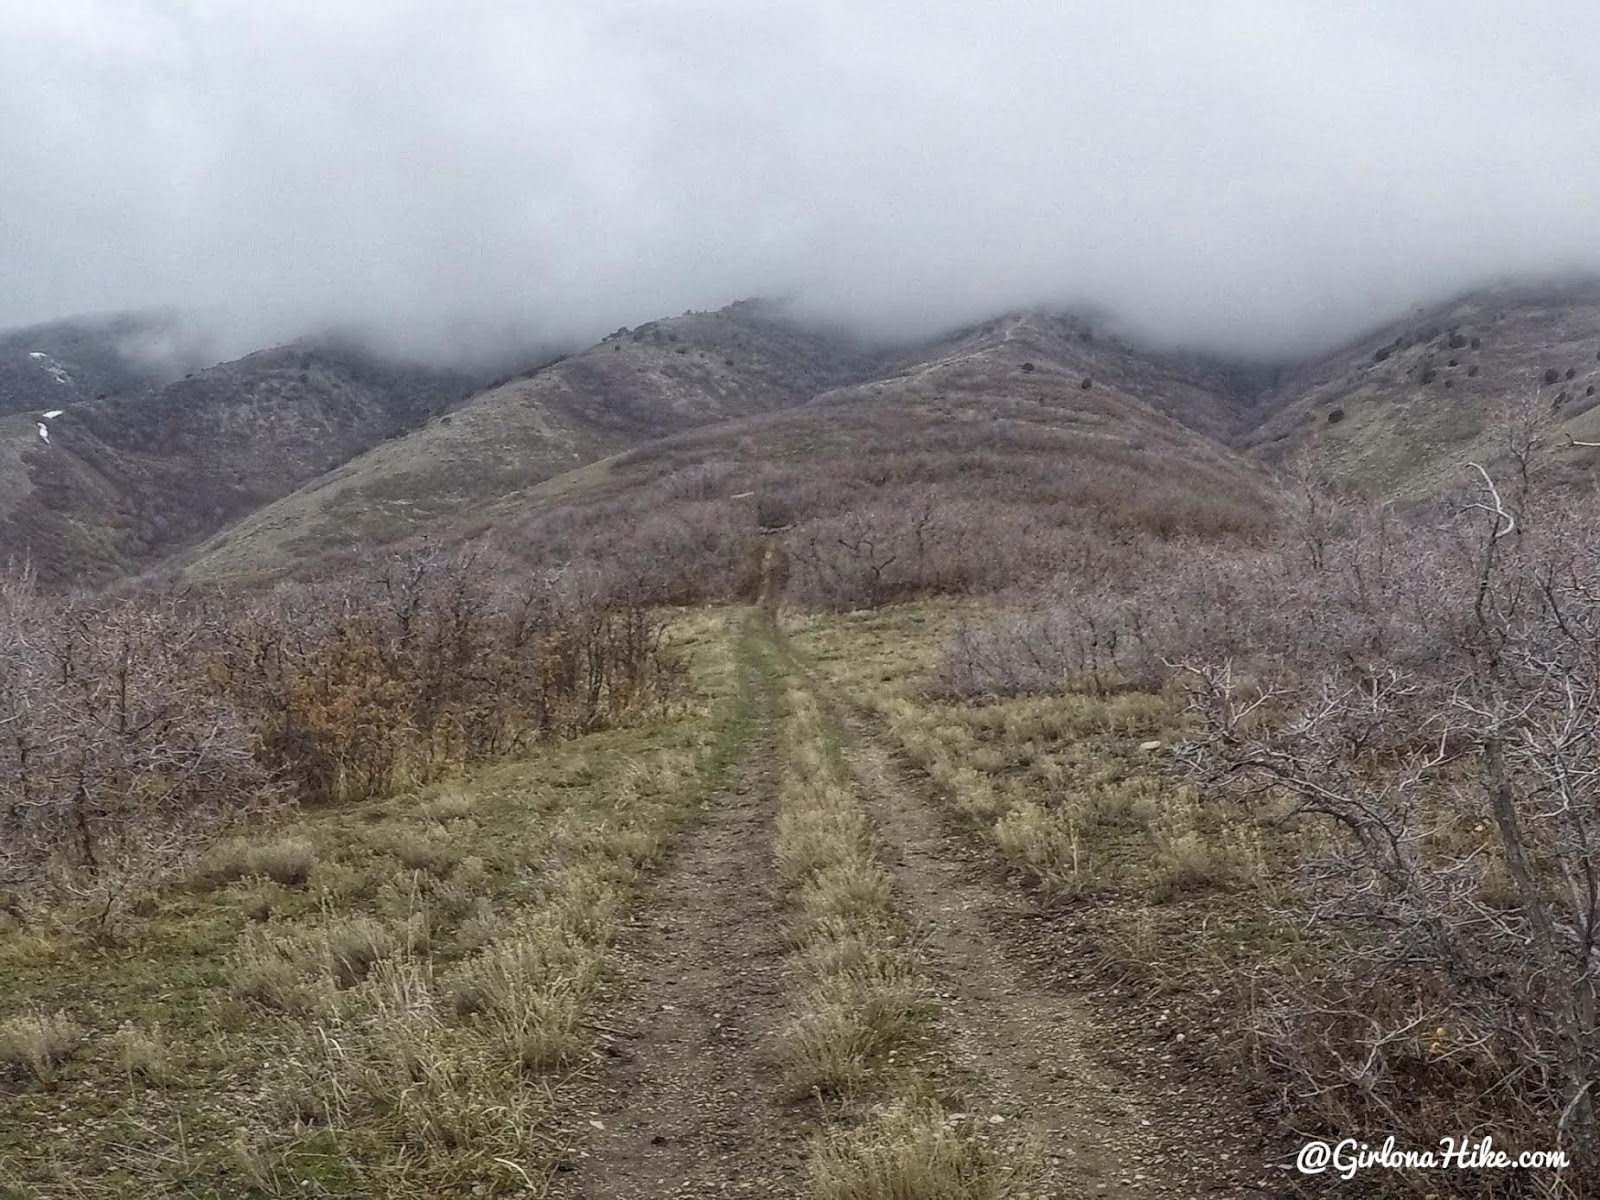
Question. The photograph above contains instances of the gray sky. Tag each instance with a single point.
(1248, 173)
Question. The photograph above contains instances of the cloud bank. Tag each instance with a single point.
(1253, 175)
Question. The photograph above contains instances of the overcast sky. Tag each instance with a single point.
(1246, 173)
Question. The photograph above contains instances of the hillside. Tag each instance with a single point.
(639, 384)
(1024, 791)
(268, 465)
(107, 485)
(1206, 393)
(1033, 401)
(1396, 413)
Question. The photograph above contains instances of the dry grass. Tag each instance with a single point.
(450, 804)
(144, 1054)
(1061, 784)
(526, 994)
(854, 890)
(1189, 864)
(392, 1016)
(397, 1068)
(287, 861)
(281, 973)
(354, 946)
(828, 1049)
(916, 1151)
(868, 1002)
(429, 848)
(39, 1044)
(863, 1038)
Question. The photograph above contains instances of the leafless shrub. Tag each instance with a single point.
(881, 503)
(117, 758)
(1419, 700)
(1369, 597)
(429, 661)
(136, 727)
(1462, 805)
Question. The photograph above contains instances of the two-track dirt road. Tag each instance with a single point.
(685, 1097)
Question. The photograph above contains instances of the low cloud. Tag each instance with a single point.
(1254, 175)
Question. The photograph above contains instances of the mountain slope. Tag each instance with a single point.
(1207, 394)
(65, 363)
(1004, 414)
(109, 485)
(1397, 413)
(270, 468)
(635, 385)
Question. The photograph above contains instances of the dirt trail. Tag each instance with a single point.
(1042, 1051)
(683, 1102)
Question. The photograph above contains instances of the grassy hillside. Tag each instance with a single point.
(1397, 413)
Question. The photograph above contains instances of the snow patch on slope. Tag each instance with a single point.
(57, 371)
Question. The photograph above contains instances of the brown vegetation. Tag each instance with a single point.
(876, 502)
(135, 727)
(1406, 714)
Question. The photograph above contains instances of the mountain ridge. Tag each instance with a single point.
(913, 409)
(366, 452)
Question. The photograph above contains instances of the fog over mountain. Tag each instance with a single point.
(1253, 175)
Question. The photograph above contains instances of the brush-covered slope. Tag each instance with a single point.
(105, 486)
(1397, 413)
(969, 475)
(639, 384)
(1002, 428)
(999, 415)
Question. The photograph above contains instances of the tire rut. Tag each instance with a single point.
(1040, 1050)
(682, 1103)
